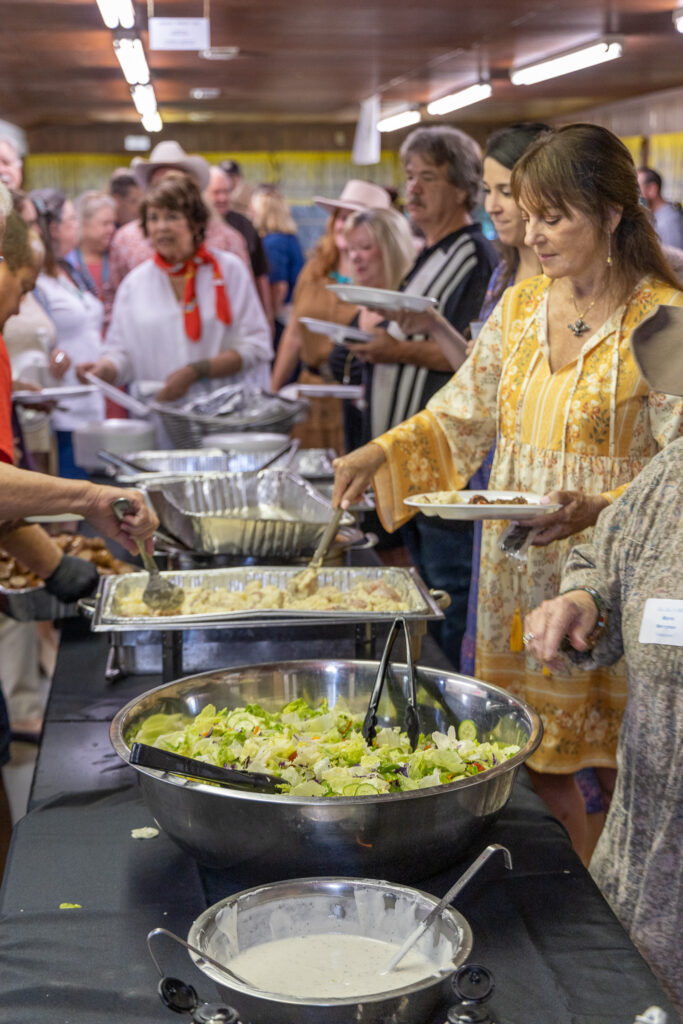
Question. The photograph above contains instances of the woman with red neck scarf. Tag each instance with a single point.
(190, 317)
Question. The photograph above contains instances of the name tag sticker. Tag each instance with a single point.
(662, 622)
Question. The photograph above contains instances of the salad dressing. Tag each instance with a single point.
(328, 966)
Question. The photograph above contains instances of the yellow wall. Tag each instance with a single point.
(300, 174)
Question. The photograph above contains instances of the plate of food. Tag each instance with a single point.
(515, 505)
(382, 298)
(339, 333)
(52, 394)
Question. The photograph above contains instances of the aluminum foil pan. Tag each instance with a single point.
(186, 429)
(272, 513)
(188, 461)
(421, 604)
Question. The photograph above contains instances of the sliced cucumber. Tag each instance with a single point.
(467, 730)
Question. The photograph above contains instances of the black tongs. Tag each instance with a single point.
(166, 761)
(411, 720)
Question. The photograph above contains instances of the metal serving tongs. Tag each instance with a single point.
(445, 900)
(166, 761)
(160, 594)
(412, 721)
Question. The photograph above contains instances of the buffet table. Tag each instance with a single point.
(80, 893)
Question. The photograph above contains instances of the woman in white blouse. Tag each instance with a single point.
(77, 316)
(190, 317)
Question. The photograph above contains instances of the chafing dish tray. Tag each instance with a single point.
(270, 513)
(421, 604)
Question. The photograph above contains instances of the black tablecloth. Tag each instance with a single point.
(557, 953)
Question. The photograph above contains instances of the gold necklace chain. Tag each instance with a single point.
(579, 326)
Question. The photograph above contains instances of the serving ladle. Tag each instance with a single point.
(160, 594)
(445, 900)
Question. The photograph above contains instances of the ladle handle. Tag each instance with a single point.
(120, 507)
(445, 900)
(328, 535)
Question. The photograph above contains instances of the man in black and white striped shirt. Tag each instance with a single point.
(443, 186)
(443, 169)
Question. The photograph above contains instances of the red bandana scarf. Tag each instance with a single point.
(193, 323)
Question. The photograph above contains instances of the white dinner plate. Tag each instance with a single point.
(456, 505)
(382, 298)
(52, 394)
(120, 397)
(352, 392)
(339, 333)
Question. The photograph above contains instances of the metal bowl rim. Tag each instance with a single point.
(325, 882)
(511, 764)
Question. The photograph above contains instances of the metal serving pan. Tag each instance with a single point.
(186, 429)
(171, 462)
(422, 604)
(402, 836)
(270, 513)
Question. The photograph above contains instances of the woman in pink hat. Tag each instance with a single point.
(329, 264)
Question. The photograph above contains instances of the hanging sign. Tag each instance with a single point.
(366, 143)
(179, 34)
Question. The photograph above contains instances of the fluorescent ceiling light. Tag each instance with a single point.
(400, 120)
(677, 18)
(456, 100)
(131, 57)
(117, 13)
(564, 63)
(152, 122)
(144, 99)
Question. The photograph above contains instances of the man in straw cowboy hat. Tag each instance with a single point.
(622, 594)
(129, 246)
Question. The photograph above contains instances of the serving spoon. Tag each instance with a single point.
(160, 594)
(303, 580)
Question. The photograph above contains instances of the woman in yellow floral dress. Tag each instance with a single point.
(553, 382)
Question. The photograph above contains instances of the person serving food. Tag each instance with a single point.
(191, 313)
(553, 380)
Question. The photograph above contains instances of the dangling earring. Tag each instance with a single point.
(609, 249)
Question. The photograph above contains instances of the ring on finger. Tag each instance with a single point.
(527, 638)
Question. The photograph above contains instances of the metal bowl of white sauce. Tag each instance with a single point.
(310, 951)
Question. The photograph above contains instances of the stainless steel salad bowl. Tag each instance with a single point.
(336, 905)
(405, 836)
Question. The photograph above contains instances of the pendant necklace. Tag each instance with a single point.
(580, 326)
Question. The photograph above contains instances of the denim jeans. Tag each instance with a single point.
(442, 552)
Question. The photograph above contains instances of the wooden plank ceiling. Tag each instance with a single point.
(315, 60)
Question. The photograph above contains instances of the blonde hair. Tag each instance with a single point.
(270, 212)
(91, 202)
(392, 233)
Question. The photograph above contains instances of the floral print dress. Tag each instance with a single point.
(592, 425)
(637, 554)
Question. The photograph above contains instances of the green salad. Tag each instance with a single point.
(321, 751)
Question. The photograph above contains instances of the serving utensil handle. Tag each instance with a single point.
(412, 723)
(120, 507)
